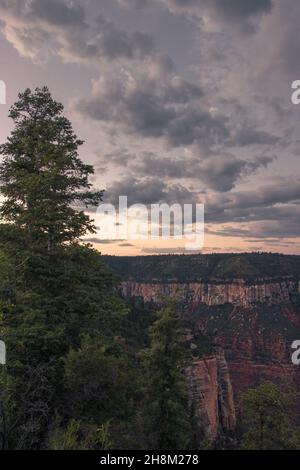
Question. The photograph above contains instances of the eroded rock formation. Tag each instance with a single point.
(212, 395)
(246, 307)
(236, 292)
(254, 324)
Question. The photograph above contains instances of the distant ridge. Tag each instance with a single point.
(183, 268)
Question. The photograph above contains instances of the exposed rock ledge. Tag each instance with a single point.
(211, 394)
(236, 293)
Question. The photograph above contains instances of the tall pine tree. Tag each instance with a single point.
(56, 293)
(167, 413)
(42, 176)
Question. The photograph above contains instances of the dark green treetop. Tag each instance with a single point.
(267, 419)
(42, 177)
(167, 413)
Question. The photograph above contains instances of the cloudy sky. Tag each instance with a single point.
(179, 101)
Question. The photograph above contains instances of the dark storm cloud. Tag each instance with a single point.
(56, 12)
(280, 205)
(277, 193)
(251, 136)
(274, 228)
(273, 202)
(165, 107)
(241, 13)
(66, 30)
(236, 8)
(228, 10)
(147, 191)
(207, 110)
(154, 105)
(253, 214)
(216, 172)
(221, 173)
(114, 43)
(269, 211)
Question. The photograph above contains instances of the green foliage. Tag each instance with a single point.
(167, 412)
(266, 419)
(141, 315)
(99, 380)
(66, 439)
(60, 313)
(77, 436)
(201, 346)
(188, 268)
(41, 174)
(53, 309)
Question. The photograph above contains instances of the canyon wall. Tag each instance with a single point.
(211, 395)
(235, 292)
(251, 325)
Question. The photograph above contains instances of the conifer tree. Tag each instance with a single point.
(42, 176)
(167, 408)
(55, 291)
(266, 419)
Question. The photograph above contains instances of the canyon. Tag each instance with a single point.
(236, 292)
(240, 327)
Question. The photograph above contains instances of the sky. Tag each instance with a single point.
(179, 102)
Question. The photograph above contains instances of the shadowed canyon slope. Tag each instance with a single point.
(243, 313)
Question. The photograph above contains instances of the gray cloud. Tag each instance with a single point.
(154, 104)
(165, 107)
(202, 107)
(55, 12)
(171, 250)
(135, 3)
(251, 136)
(217, 172)
(230, 11)
(147, 191)
(63, 28)
(100, 241)
(270, 211)
(276, 193)
(273, 228)
(242, 14)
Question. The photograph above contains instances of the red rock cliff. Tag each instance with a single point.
(254, 324)
(236, 292)
(211, 394)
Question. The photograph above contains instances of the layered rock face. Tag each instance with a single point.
(211, 394)
(244, 306)
(236, 292)
(253, 324)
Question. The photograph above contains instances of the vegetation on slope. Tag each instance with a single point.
(186, 268)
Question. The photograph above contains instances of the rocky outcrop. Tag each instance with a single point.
(254, 324)
(246, 305)
(211, 395)
(236, 292)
